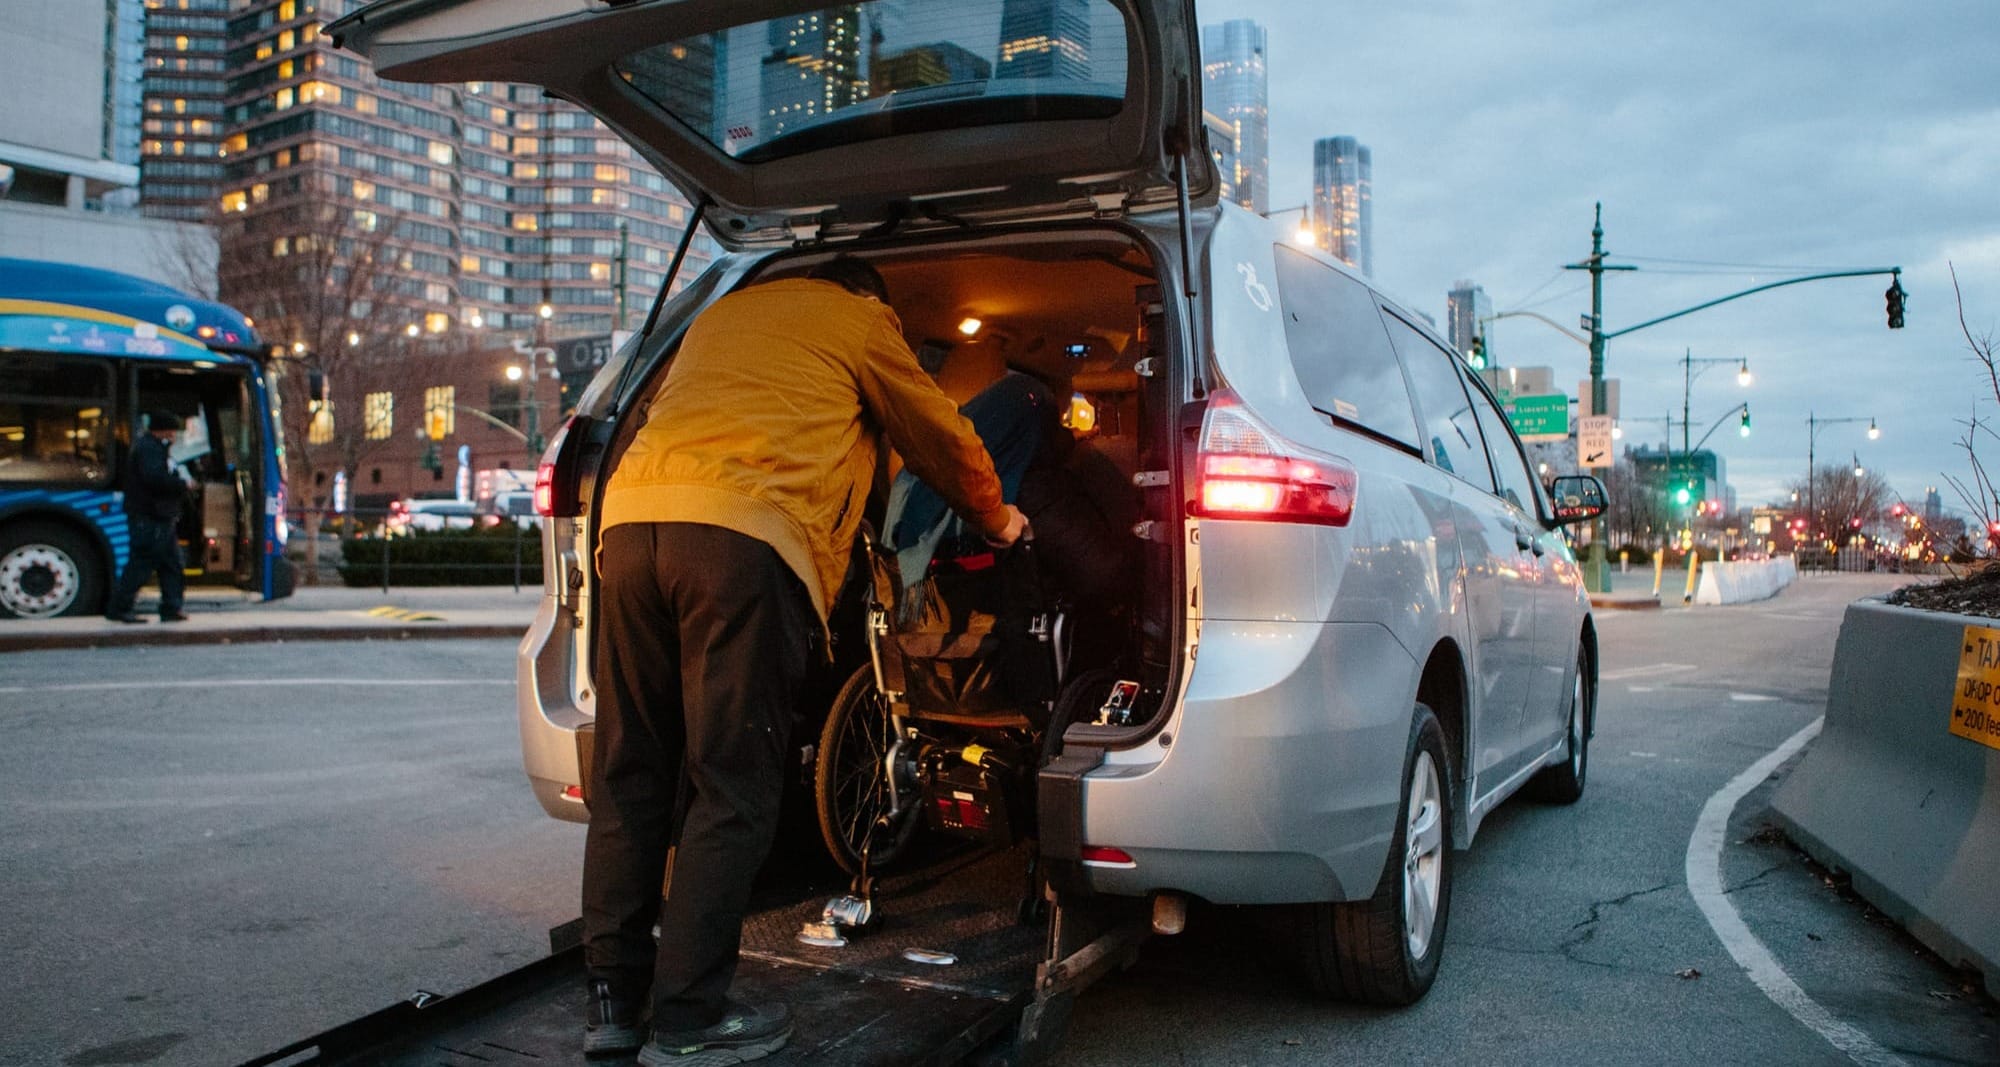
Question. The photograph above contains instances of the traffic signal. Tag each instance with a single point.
(1477, 358)
(1895, 297)
(1744, 427)
(1683, 494)
(1897, 510)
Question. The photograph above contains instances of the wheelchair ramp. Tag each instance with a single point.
(861, 1005)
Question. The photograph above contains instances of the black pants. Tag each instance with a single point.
(155, 547)
(703, 639)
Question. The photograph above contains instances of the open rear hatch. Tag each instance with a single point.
(798, 122)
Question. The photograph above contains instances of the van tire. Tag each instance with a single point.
(35, 554)
(852, 734)
(1362, 950)
(1563, 783)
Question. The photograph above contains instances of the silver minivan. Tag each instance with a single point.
(1356, 627)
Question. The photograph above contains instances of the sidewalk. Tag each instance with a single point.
(1634, 590)
(315, 613)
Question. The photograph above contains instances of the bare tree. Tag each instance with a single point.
(1976, 489)
(1848, 503)
(1638, 510)
(314, 276)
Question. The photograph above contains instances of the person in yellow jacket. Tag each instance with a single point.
(726, 530)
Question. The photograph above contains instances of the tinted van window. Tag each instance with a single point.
(1450, 428)
(1510, 469)
(1340, 350)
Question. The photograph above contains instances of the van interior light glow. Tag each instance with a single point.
(969, 326)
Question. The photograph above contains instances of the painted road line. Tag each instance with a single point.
(1750, 698)
(1647, 671)
(248, 683)
(403, 614)
(1704, 879)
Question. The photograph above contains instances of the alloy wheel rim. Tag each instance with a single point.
(38, 581)
(1423, 856)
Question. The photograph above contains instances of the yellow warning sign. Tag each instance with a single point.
(1975, 701)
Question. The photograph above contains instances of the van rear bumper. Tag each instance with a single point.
(1276, 781)
(550, 717)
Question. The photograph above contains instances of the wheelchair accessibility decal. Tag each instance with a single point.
(1259, 295)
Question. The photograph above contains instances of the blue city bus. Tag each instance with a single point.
(85, 356)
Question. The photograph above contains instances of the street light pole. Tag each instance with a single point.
(1813, 426)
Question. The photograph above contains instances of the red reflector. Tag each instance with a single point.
(573, 792)
(1106, 854)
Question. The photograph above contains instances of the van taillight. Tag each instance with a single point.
(1246, 471)
(559, 475)
(545, 487)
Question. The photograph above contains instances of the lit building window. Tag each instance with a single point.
(440, 153)
(378, 415)
(321, 430)
(469, 264)
(236, 201)
(439, 407)
(363, 190)
(600, 272)
(437, 322)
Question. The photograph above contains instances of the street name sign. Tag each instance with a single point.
(1540, 418)
(1593, 441)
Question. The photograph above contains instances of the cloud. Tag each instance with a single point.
(1833, 135)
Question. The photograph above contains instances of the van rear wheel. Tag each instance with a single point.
(853, 790)
(1385, 950)
(47, 570)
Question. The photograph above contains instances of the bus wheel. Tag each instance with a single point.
(46, 571)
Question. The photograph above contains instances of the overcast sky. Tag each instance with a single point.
(1828, 135)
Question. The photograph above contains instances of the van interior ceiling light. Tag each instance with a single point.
(969, 326)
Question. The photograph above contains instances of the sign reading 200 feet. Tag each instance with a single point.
(1975, 701)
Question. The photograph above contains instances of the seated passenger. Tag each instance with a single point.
(1077, 541)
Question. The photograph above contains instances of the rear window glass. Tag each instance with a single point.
(835, 75)
(1340, 350)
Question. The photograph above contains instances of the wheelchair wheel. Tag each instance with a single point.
(851, 786)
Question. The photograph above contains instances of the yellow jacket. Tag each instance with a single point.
(769, 424)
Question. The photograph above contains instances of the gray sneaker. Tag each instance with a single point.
(746, 1032)
(611, 1024)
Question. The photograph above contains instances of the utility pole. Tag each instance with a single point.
(1596, 563)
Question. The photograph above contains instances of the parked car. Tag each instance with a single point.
(409, 516)
(516, 506)
(1327, 505)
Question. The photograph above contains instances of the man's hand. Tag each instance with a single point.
(1017, 528)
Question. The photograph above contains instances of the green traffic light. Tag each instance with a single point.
(1682, 495)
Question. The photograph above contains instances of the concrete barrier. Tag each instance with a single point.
(1892, 794)
(1745, 580)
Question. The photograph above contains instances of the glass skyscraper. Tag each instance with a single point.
(1236, 90)
(1464, 306)
(1343, 219)
(1044, 39)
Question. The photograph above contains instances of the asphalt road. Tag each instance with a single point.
(213, 851)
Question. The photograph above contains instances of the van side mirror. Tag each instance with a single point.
(1577, 498)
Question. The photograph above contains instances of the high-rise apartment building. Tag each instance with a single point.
(481, 206)
(182, 126)
(1044, 39)
(70, 146)
(1343, 218)
(1236, 89)
(1464, 305)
